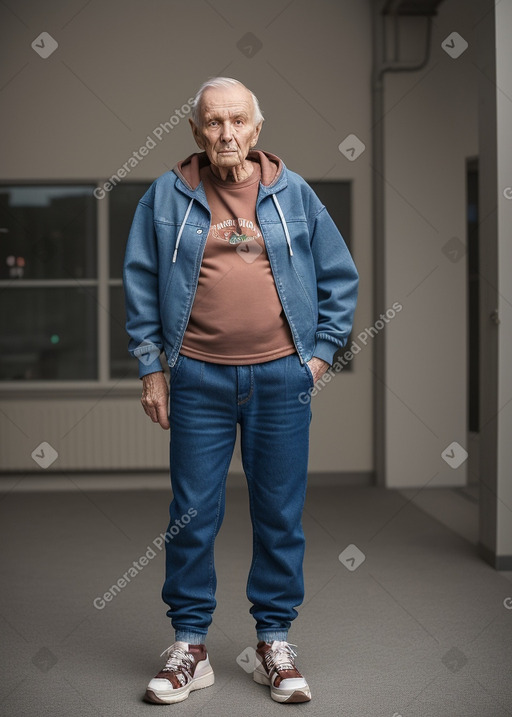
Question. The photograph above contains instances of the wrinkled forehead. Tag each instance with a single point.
(226, 101)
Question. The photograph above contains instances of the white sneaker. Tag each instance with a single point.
(187, 668)
(275, 667)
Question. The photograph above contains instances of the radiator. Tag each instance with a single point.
(80, 435)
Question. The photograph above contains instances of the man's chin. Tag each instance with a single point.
(227, 160)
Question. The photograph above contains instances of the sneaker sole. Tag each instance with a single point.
(283, 696)
(157, 697)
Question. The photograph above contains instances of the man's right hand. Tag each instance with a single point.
(155, 398)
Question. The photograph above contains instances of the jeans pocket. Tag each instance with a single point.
(309, 373)
(174, 370)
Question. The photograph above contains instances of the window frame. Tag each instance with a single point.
(102, 385)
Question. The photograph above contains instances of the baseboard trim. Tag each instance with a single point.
(499, 562)
(150, 480)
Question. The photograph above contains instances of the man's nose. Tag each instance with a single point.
(226, 132)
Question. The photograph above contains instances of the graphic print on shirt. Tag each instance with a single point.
(232, 231)
(238, 232)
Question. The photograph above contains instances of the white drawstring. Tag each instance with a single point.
(181, 231)
(279, 211)
(283, 222)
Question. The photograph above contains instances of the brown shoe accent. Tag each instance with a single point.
(198, 652)
(265, 652)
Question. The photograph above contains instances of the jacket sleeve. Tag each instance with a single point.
(337, 286)
(140, 279)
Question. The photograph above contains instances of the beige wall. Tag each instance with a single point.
(431, 128)
(121, 69)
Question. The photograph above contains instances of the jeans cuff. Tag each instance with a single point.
(280, 635)
(193, 638)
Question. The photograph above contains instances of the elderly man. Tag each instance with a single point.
(235, 269)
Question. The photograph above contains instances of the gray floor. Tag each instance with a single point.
(419, 628)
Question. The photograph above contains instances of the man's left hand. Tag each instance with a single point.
(318, 367)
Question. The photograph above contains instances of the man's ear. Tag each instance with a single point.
(256, 134)
(197, 135)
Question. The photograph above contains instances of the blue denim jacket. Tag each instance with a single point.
(315, 276)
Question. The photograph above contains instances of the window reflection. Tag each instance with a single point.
(47, 232)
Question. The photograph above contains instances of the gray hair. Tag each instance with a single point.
(223, 82)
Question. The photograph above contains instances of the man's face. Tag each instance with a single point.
(226, 128)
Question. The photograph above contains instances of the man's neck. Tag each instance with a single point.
(234, 174)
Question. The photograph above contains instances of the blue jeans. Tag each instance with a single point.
(207, 401)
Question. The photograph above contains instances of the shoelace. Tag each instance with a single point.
(178, 660)
(281, 656)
